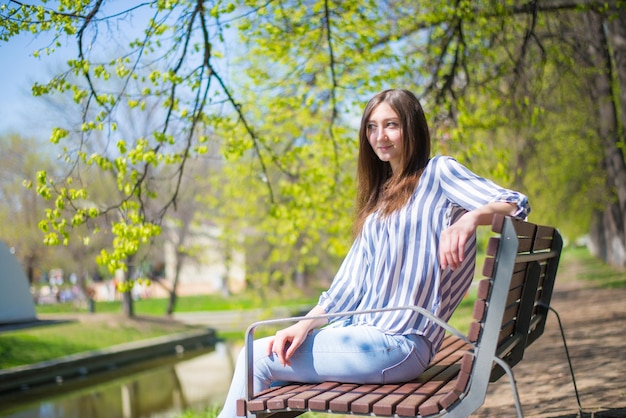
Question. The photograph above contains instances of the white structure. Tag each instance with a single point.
(205, 269)
(16, 302)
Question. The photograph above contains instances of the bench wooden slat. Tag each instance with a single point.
(453, 344)
(447, 372)
(506, 332)
(525, 244)
(497, 224)
(512, 304)
(300, 400)
(321, 402)
(474, 331)
(386, 405)
(545, 236)
(409, 406)
(444, 358)
(489, 266)
(514, 296)
(344, 402)
(434, 403)
(543, 243)
(259, 403)
(518, 278)
(281, 401)
(525, 229)
(467, 363)
(492, 248)
(482, 291)
(363, 405)
(447, 341)
(480, 307)
(510, 313)
(521, 227)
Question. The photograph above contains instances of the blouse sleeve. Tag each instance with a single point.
(471, 191)
(345, 291)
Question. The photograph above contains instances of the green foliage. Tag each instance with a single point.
(21, 163)
(278, 87)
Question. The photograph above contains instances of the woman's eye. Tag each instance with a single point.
(392, 124)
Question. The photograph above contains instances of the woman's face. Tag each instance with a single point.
(384, 133)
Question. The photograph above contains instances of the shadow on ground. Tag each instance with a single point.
(32, 324)
(609, 413)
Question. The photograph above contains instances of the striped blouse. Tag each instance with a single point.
(394, 261)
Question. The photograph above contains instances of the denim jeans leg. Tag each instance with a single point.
(352, 354)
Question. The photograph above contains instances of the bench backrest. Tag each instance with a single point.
(530, 290)
(513, 299)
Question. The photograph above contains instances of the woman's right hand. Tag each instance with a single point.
(286, 341)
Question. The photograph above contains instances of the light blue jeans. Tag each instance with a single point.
(349, 354)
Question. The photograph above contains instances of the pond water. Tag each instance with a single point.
(160, 388)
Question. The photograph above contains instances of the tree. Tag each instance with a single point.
(606, 49)
(187, 221)
(283, 99)
(22, 209)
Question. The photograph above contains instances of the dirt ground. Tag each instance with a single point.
(594, 321)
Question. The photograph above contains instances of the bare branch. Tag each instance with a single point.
(81, 54)
(233, 102)
(333, 91)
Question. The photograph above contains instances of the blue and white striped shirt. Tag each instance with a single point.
(394, 261)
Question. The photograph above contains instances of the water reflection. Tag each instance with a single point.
(160, 389)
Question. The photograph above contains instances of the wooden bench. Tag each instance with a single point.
(509, 314)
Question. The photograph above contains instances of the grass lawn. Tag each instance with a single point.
(84, 333)
(106, 327)
(578, 264)
(158, 307)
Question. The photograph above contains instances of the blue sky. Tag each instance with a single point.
(20, 112)
(30, 116)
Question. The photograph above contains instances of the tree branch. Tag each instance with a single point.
(233, 102)
(333, 91)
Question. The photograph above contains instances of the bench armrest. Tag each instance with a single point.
(249, 337)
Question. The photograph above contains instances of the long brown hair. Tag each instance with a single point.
(378, 186)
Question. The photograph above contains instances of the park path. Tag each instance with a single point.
(594, 320)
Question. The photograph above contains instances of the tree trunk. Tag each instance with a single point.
(180, 257)
(171, 304)
(608, 238)
(616, 28)
(225, 277)
(127, 303)
(128, 306)
(30, 270)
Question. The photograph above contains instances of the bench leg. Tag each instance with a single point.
(509, 372)
(569, 360)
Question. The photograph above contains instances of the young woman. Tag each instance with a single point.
(415, 245)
